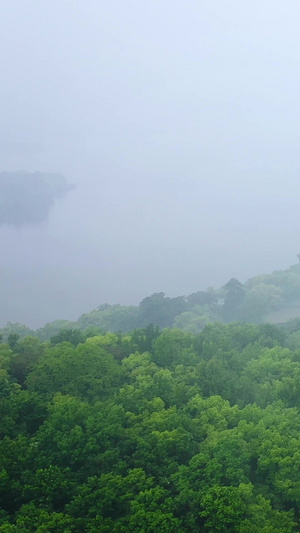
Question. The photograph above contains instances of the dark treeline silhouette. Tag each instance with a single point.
(26, 198)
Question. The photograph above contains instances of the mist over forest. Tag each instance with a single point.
(95, 249)
(179, 128)
(149, 266)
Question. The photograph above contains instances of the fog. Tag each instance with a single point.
(178, 121)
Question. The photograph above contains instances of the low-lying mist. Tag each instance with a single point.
(119, 242)
(178, 122)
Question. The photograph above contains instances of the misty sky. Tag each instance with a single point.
(179, 123)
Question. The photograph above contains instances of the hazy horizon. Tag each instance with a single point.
(179, 124)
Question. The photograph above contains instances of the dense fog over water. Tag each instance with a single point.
(179, 124)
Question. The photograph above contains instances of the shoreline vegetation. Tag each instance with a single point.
(26, 198)
(158, 428)
(269, 298)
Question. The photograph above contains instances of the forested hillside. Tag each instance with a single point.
(273, 298)
(151, 431)
(172, 416)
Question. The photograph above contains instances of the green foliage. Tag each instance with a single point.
(53, 328)
(15, 329)
(194, 321)
(74, 336)
(260, 300)
(173, 347)
(222, 509)
(143, 338)
(151, 431)
(160, 310)
(87, 371)
(234, 298)
(268, 298)
(110, 318)
(26, 353)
